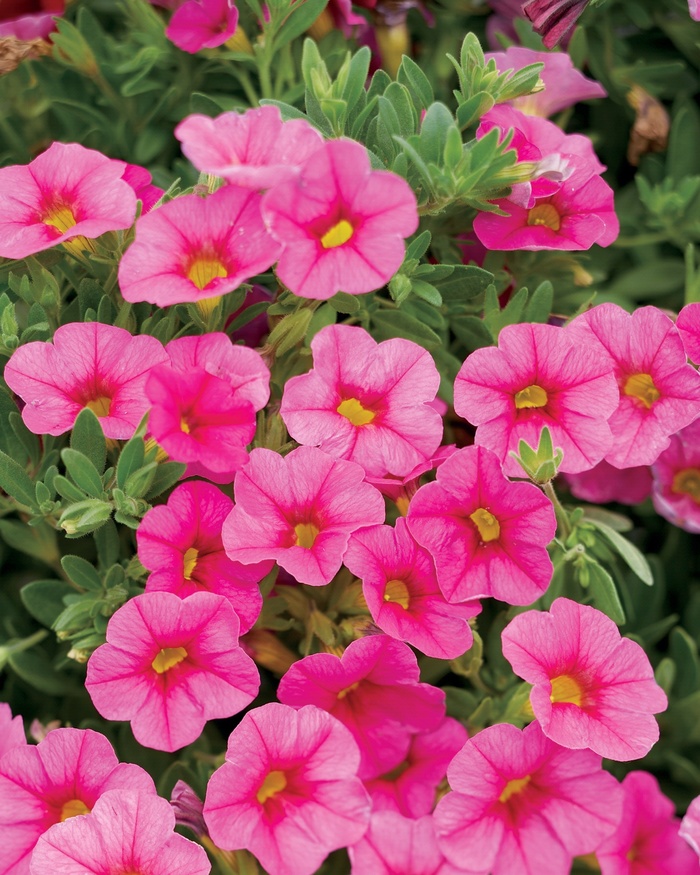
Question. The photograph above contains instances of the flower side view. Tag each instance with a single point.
(676, 473)
(202, 24)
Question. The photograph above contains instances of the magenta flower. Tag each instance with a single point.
(690, 825)
(341, 223)
(659, 392)
(11, 730)
(553, 19)
(253, 149)
(127, 832)
(402, 592)
(374, 690)
(88, 364)
(180, 543)
(401, 490)
(538, 376)
(29, 19)
(646, 842)
(676, 491)
(288, 791)
(202, 24)
(591, 687)
(59, 778)
(141, 181)
(169, 665)
(68, 191)
(688, 325)
(605, 483)
(366, 402)
(299, 510)
(520, 803)
(487, 535)
(694, 9)
(194, 248)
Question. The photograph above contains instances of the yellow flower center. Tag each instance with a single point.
(168, 658)
(100, 406)
(184, 425)
(346, 692)
(397, 593)
(273, 784)
(204, 269)
(544, 214)
(531, 396)
(487, 524)
(73, 808)
(517, 785)
(357, 414)
(567, 691)
(402, 503)
(306, 535)
(189, 561)
(161, 455)
(641, 387)
(590, 861)
(337, 235)
(687, 482)
(60, 217)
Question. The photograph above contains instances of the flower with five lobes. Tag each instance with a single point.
(591, 687)
(169, 665)
(341, 223)
(487, 535)
(68, 191)
(88, 364)
(288, 791)
(202, 24)
(365, 401)
(676, 490)
(300, 510)
(539, 375)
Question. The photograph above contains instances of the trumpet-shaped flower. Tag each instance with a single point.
(127, 832)
(341, 223)
(605, 483)
(676, 491)
(539, 376)
(194, 248)
(521, 803)
(487, 535)
(554, 20)
(169, 665)
(288, 790)
(591, 687)
(11, 730)
(253, 149)
(299, 510)
(202, 24)
(61, 777)
(88, 364)
(180, 543)
(374, 690)
(366, 402)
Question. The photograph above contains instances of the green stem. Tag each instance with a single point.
(642, 240)
(563, 523)
(25, 643)
(247, 86)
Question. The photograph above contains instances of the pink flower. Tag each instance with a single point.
(366, 402)
(402, 592)
(141, 181)
(254, 149)
(342, 224)
(288, 791)
(538, 376)
(59, 778)
(202, 24)
(646, 842)
(522, 804)
(676, 491)
(169, 665)
(29, 19)
(659, 392)
(592, 688)
(88, 364)
(694, 9)
(374, 690)
(605, 483)
(180, 542)
(553, 19)
(487, 535)
(194, 248)
(401, 490)
(299, 510)
(690, 825)
(688, 325)
(68, 191)
(11, 730)
(127, 832)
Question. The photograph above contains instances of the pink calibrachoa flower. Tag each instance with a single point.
(169, 665)
(202, 24)
(180, 543)
(538, 376)
(688, 324)
(61, 777)
(605, 483)
(88, 364)
(676, 490)
(646, 842)
(591, 687)
(401, 490)
(374, 690)
(554, 20)
(127, 832)
(288, 791)
(694, 9)
(659, 392)
(299, 510)
(194, 248)
(68, 191)
(11, 730)
(365, 401)
(523, 804)
(29, 19)
(402, 592)
(690, 825)
(342, 224)
(141, 181)
(487, 535)
(254, 149)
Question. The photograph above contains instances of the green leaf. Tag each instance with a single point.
(83, 472)
(43, 599)
(302, 15)
(418, 246)
(16, 482)
(39, 542)
(602, 588)
(342, 302)
(398, 323)
(130, 460)
(36, 669)
(411, 75)
(682, 142)
(684, 652)
(540, 303)
(426, 291)
(167, 475)
(88, 438)
(82, 573)
(627, 551)
(433, 133)
(466, 281)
